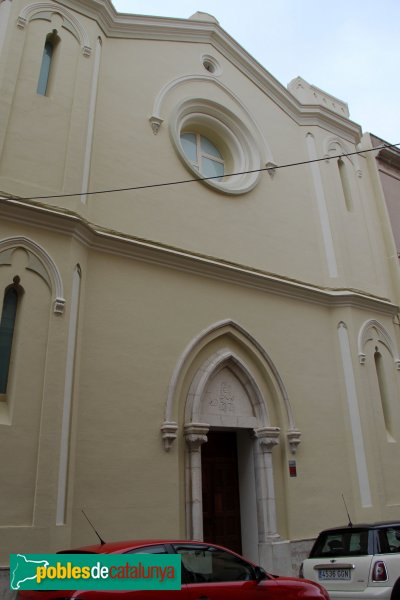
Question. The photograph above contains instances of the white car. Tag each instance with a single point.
(357, 562)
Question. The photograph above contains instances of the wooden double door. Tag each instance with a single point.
(220, 486)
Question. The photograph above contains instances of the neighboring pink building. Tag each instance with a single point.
(388, 160)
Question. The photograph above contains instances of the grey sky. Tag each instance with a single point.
(349, 48)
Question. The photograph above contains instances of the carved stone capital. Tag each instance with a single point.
(59, 305)
(196, 435)
(155, 123)
(271, 167)
(294, 439)
(169, 432)
(21, 22)
(268, 437)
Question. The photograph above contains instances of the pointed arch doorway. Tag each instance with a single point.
(227, 383)
(230, 478)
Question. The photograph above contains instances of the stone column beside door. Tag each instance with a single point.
(195, 436)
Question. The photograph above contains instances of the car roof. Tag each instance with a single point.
(110, 547)
(375, 525)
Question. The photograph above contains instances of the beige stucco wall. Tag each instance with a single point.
(45, 142)
(158, 267)
(128, 483)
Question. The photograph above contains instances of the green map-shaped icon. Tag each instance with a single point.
(24, 570)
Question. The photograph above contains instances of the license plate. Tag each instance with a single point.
(334, 574)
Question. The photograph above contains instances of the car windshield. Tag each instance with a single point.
(346, 542)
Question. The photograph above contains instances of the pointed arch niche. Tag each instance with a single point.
(377, 350)
(225, 380)
(347, 165)
(373, 331)
(40, 262)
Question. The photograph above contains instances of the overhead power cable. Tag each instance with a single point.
(195, 179)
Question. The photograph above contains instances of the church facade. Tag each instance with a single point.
(200, 332)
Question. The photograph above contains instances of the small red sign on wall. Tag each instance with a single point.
(292, 468)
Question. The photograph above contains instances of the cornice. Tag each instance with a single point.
(390, 156)
(121, 25)
(101, 239)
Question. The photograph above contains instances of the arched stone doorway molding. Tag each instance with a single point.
(233, 330)
(224, 393)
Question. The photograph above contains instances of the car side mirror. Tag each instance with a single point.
(260, 574)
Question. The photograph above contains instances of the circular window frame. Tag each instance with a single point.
(211, 65)
(229, 134)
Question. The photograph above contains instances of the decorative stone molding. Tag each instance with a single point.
(196, 435)
(322, 206)
(31, 212)
(59, 306)
(230, 120)
(268, 437)
(211, 65)
(44, 10)
(335, 147)
(203, 16)
(21, 22)
(245, 407)
(294, 439)
(354, 416)
(43, 265)
(241, 147)
(373, 329)
(155, 123)
(169, 431)
(271, 168)
(207, 33)
(224, 393)
(242, 336)
(310, 94)
(66, 424)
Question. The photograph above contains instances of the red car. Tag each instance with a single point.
(209, 572)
